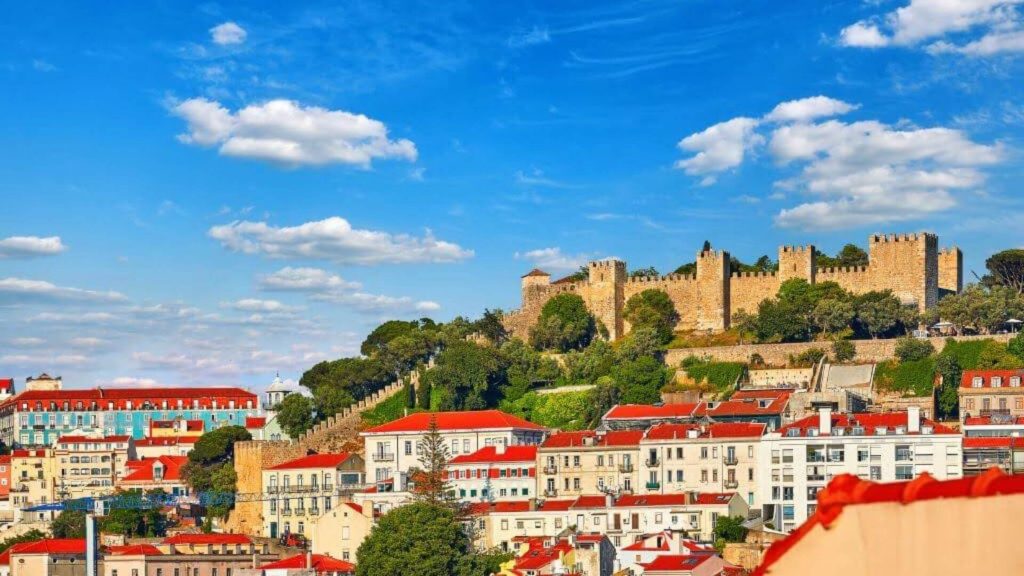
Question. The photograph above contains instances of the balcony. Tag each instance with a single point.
(730, 460)
(328, 488)
(551, 469)
(550, 493)
(625, 468)
(731, 484)
(383, 457)
(653, 485)
(286, 512)
(652, 462)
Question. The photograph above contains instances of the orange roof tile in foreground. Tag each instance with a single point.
(607, 439)
(475, 420)
(487, 454)
(51, 546)
(314, 461)
(321, 563)
(848, 490)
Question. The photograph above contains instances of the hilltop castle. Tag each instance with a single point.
(911, 265)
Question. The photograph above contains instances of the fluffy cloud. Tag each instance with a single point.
(290, 279)
(227, 34)
(130, 382)
(334, 239)
(719, 147)
(364, 302)
(285, 132)
(30, 246)
(553, 259)
(868, 172)
(20, 290)
(993, 26)
(257, 305)
(809, 109)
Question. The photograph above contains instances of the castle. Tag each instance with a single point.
(910, 265)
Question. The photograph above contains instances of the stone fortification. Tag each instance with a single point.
(911, 265)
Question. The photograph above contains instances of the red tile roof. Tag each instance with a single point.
(477, 420)
(142, 470)
(207, 539)
(91, 440)
(967, 379)
(134, 550)
(676, 562)
(979, 442)
(536, 272)
(255, 422)
(648, 412)
(121, 396)
(51, 546)
(28, 453)
(321, 563)
(595, 501)
(5, 458)
(848, 490)
(520, 453)
(5, 557)
(760, 393)
(6, 384)
(671, 431)
(314, 461)
(165, 441)
(870, 421)
(609, 439)
(679, 499)
(750, 406)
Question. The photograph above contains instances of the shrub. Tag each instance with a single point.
(909, 349)
(843, 351)
(914, 378)
(807, 357)
(968, 352)
(721, 376)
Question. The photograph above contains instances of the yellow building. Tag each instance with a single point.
(588, 462)
(300, 490)
(339, 532)
(89, 466)
(32, 477)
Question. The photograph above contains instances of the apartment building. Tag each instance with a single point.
(5, 476)
(300, 490)
(495, 472)
(40, 417)
(991, 392)
(32, 477)
(160, 473)
(578, 554)
(164, 446)
(717, 457)
(624, 519)
(90, 466)
(589, 462)
(339, 531)
(393, 449)
(801, 458)
(47, 557)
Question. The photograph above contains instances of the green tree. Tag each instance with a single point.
(295, 415)
(652, 309)
(468, 376)
(223, 480)
(640, 380)
(526, 368)
(640, 342)
(910, 349)
(588, 365)
(881, 313)
(431, 478)
(649, 272)
(850, 255)
(136, 522)
(948, 367)
(1016, 345)
(995, 356)
(730, 529)
(980, 309)
(381, 335)
(218, 446)
(423, 393)
(68, 524)
(419, 539)
(1006, 268)
(491, 326)
(579, 275)
(564, 324)
(688, 269)
(843, 351)
(833, 316)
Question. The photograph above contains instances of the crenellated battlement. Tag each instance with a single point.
(909, 265)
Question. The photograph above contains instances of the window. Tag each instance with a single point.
(977, 382)
(904, 472)
(408, 447)
(704, 453)
(576, 461)
(997, 381)
(750, 451)
(1014, 381)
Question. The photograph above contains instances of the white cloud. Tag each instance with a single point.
(334, 239)
(19, 290)
(806, 109)
(719, 147)
(227, 34)
(26, 342)
(30, 246)
(535, 35)
(285, 132)
(130, 382)
(35, 361)
(258, 305)
(364, 302)
(866, 172)
(305, 280)
(87, 342)
(89, 318)
(972, 27)
(537, 178)
(549, 259)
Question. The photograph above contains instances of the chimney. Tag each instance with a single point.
(913, 419)
(499, 448)
(824, 421)
(693, 433)
(309, 558)
(609, 500)
(368, 509)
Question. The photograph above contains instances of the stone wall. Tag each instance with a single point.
(908, 264)
(778, 354)
(339, 433)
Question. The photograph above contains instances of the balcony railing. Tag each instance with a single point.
(650, 462)
(730, 460)
(286, 512)
(551, 469)
(625, 468)
(550, 492)
(731, 484)
(383, 457)
(653, 485)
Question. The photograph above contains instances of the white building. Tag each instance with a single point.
(393, 449)
(300, 490)
(495, 472)
(801, 458)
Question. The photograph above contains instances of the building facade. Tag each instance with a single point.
(910, 265)
(800, 459)
(495, 472)
(589, 462)
(991, 392)
(90, 466)
(40, 417)
(300, 490)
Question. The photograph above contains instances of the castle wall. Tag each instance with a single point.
(951, 270)
(907, 264)
(681, 289)
(748, 289)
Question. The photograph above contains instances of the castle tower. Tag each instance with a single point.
(605, 294)
(951, 270)
(907, 264)
(797, 262)
(713, 290)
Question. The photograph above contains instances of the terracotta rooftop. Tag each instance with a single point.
(134, 550)
(585, 438)
(207, 539)
(321, 563)
(670, 431)
(650, 412)
(990, 377)
(536, 272)
(869, 422)
(143, 470)
(51, 546)
(474, 420)
(314, 461)
(487, 454)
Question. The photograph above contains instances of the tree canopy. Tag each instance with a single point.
(652, 309)
(851, 255)
(1006, 268)
(564, 324)
(209, 467)
(295, 414)
(467, 376)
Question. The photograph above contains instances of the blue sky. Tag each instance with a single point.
(210, 193)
